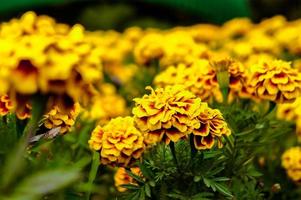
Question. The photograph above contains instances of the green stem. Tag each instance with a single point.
(93, 172)
(193, 150)
(173, 152)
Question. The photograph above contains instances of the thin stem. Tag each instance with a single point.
(173, 152)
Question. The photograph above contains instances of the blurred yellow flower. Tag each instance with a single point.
(291, 161)
(198, 78)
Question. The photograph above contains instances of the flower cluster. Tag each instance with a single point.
(119, 142)
(172, 113)
(291, 161)
(40, 56)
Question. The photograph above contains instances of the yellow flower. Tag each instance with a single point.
(289, 111)
(121, 177)
(150, 47)
(58, 118)
(41, 56)
(119, 142)
(291, 161)
(213, 127)
(275, 81)
(106, 105)
(6, 105)
(167, 114)
(198, 78)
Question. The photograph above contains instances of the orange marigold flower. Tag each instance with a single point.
(167, 114)
(6, 105)
(121, 177)
(275, 81)
(291, 161)
(213, 127)
(119, 142)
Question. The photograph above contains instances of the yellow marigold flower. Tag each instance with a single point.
(236, 28)
(121, 177)
(106, 105)
(289, 111)
(95, 141)
(6, 105)
(212, 127)
(275, 81)
(199, 78)
(23, 111)
(167, 114)
(119, 142)
(58, 118)
(150, 47)
(204, 33)
(291, 161)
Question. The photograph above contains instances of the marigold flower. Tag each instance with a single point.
(106, 105)
(167, 114)
(291, 161)
(121, 177)
(58, 118)
(119, 142)
(198, 78)
(212, 127)
(275, 81)
(6, 105)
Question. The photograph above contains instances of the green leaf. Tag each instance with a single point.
(223, 189)
(220, 179)
(45, 182)
(202, 196)
(130, 186)
(134, 176)
(13, 164)
(147, 190)
(93, 171)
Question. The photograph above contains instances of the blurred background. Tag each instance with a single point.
(113, 14)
